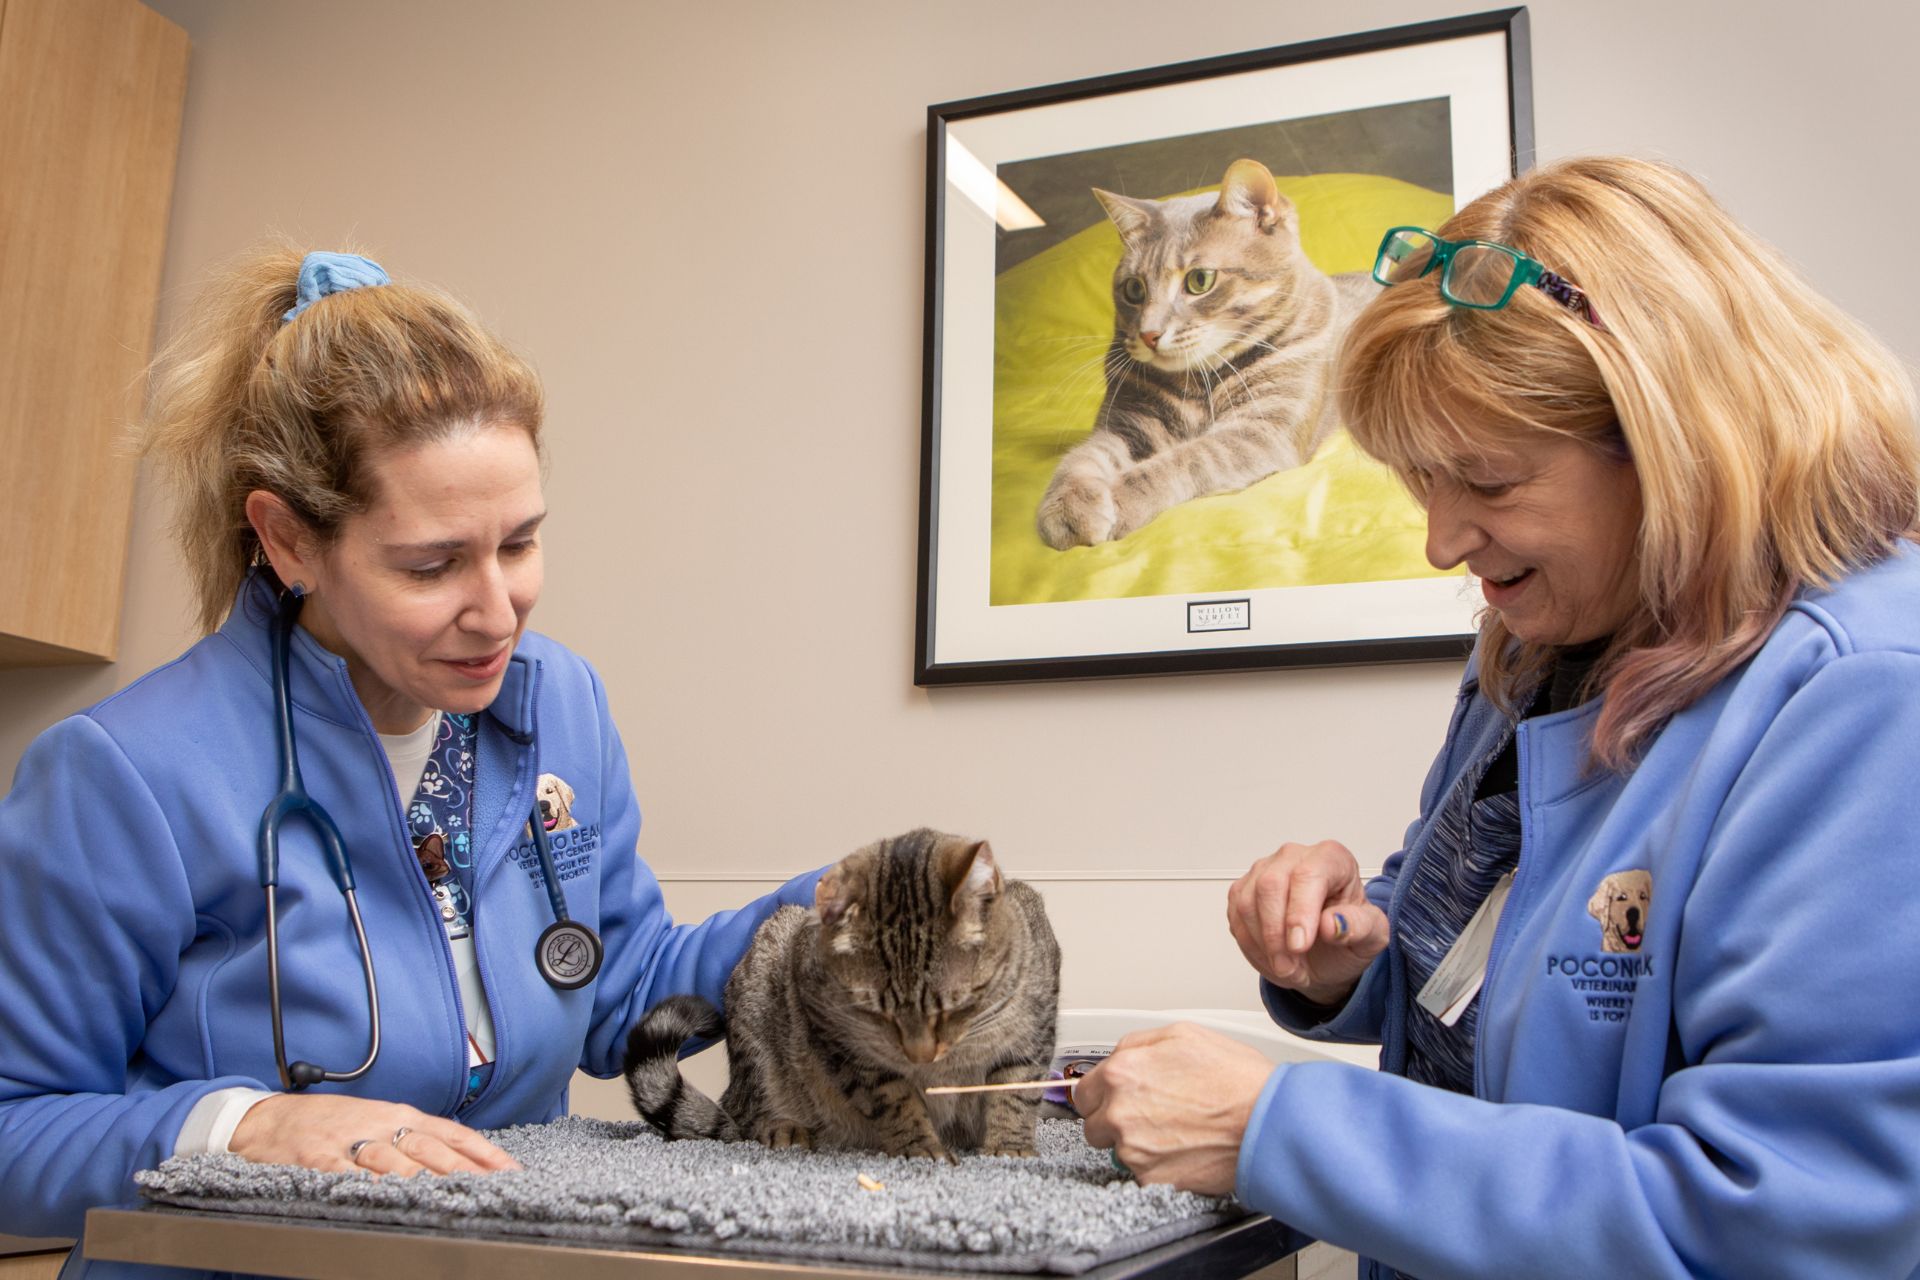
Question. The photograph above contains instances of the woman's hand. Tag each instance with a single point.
(1173, 1103)
(1302, 919)
(318, 1130)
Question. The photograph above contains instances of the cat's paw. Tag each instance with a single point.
(1014, 1148)
(780, 1136)
(928, 1148)
(1078, 511)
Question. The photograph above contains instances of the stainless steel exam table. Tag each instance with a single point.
(301, 1249)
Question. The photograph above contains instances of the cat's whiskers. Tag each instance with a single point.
(1212, 380)
(1102, 369)
(1116, 363)
(1245, 386)
(1071, 384)
(1252, 344)
(1106, 406)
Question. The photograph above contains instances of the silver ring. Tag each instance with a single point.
(400, 1133)
(353, 1152)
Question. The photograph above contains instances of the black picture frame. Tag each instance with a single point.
(955, 539)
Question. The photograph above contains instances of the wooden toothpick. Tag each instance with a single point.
(997, 1088)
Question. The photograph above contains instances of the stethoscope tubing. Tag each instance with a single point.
(293, 801)
(568, 954)
(548, 876)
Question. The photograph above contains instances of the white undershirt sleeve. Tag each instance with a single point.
(210, 1125)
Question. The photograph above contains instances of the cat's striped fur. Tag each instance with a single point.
(919, 965)
(1220, 368)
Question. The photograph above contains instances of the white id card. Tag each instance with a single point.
(1457, 978)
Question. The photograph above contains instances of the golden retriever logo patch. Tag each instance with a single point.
(556, 803)
(1620, 904)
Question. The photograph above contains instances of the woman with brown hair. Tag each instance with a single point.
(357, 465)
(1642, 971)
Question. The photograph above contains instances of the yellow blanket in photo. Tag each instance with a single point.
(1339, 518)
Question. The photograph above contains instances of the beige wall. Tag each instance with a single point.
(705, 225)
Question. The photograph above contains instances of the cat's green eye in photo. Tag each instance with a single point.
(1200, 280)
(1134, 290)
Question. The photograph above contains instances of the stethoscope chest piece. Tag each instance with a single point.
(568, 954)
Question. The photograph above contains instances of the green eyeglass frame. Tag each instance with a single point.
(1445, 253)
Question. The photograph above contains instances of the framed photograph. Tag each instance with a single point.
(1135, 287)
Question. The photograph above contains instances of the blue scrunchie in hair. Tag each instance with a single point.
(325, 273)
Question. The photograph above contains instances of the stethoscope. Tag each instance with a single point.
(567, 954)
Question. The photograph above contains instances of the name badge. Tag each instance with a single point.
(1457, 978)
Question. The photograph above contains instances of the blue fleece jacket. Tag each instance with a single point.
(1736, 1095)
(132, 923)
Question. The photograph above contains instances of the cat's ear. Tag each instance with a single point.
(836, 903)
(1248, 191)
(975, 883)
(1133, 217)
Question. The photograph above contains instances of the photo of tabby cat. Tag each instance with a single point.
(1218, 373)
(919, 965)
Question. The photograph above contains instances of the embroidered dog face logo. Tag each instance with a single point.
(1620, 904)
(432, 852)
(556, 803)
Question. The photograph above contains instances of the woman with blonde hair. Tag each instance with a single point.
(1642, 971)
(357, 464)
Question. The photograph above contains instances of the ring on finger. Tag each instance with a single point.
(400, 1133)
(353, 1152)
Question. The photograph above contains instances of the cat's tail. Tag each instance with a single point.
(652, 1068)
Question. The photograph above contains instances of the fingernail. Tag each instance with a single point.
(1339, 925)
(1297, 939)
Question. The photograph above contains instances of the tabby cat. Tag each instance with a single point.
(919, 965)
(1223, 341)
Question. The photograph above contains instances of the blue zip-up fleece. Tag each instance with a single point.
(132, 922)
(1736, 1095)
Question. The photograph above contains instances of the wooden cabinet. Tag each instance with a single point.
(90, 103)
(31, 1259)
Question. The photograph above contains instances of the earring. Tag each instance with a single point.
(298, 588)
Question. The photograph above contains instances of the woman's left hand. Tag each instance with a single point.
(1173, 1103)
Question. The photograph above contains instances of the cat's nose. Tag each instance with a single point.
(1152, 337)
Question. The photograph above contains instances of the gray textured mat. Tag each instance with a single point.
(1062, 1211)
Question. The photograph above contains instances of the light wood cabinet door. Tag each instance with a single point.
(90, 103)
(32, 1266)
